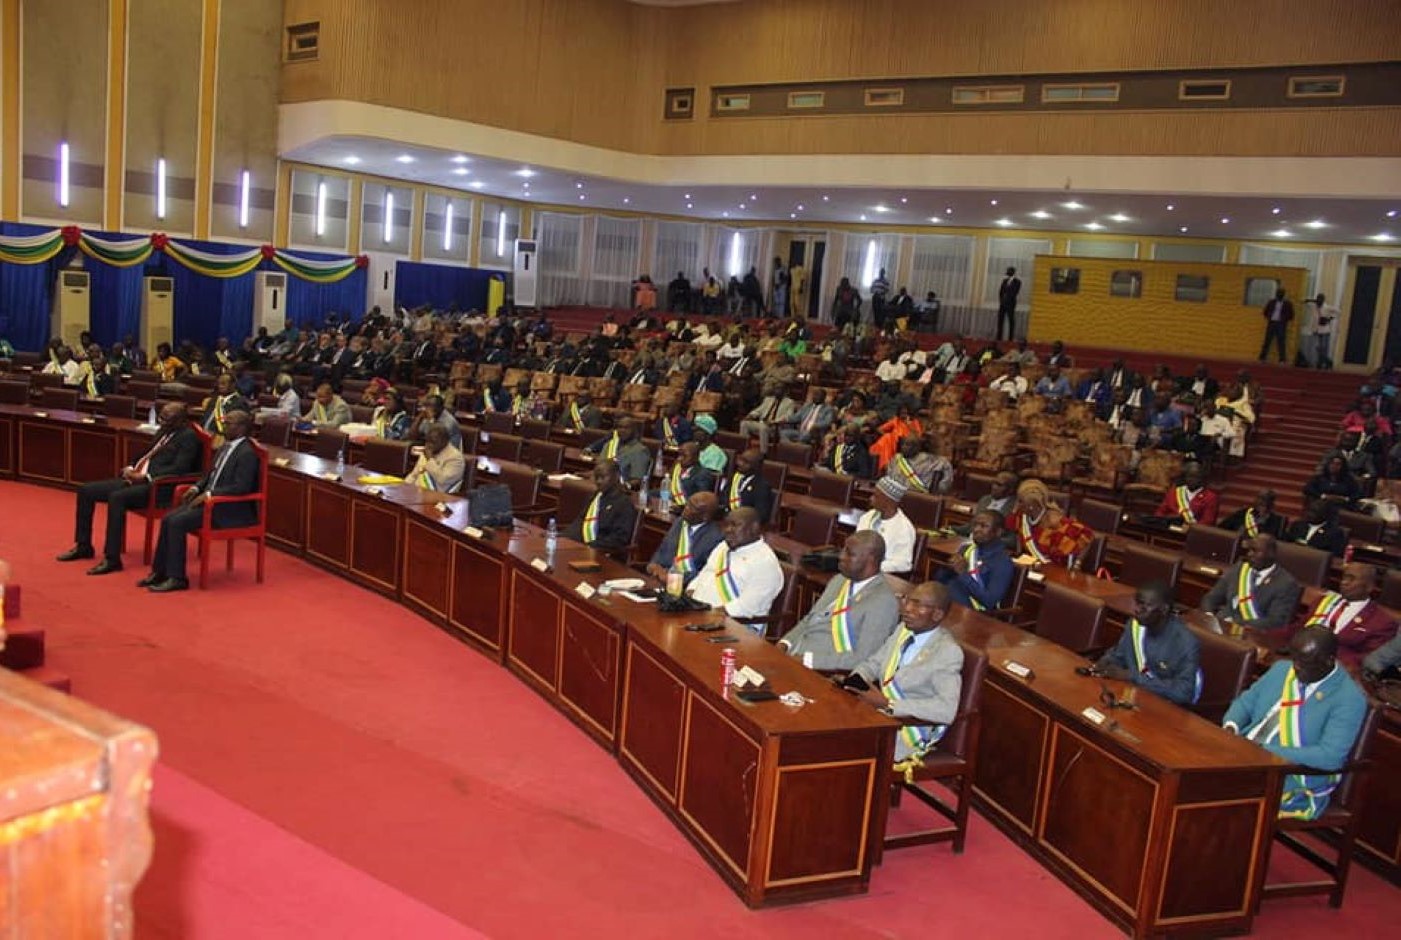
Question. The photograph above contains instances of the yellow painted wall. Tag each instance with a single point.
(1222, 327)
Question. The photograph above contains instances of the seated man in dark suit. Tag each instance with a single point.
(607, 521)
(1317, 529)
(176, 451)
(747, 487)
(690, 540)
(849, 455)
(1257, 518)
(686, 477)
(217, 407)
(980, 574)
(1255, 593)
(1156, 650)
(581, 414)
(235, 473)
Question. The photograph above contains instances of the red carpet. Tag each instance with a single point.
(336, 767)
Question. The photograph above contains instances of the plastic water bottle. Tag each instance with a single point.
(551, 540)
(151, 415)
(675, 580)
(643, 495)
(340, 464)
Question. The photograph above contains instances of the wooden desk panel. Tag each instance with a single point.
(650, 741)
(590, 667)
(1011, 756)
(287, 507)
(43, 451)
(1381, 819)
(719, 776)
(374, 543)
(533, 642)
(92, 455)
(7, 445)
(478, 594)
(328, 524)
(426, 581)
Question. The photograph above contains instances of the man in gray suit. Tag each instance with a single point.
(917, 673)
(1255, 593)
(811, 421)
(854, 615)
(776, 408)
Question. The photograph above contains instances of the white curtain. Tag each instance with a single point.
(865, 254)
(1309, 259)
(1019, 253)
(617, 251)
(736, 250)
(496, 242)
(679, 246)
(944, 264)
(560, 259)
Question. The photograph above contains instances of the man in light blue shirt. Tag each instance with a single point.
(1053, 384)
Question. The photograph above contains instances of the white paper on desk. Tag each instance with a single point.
(558, 477)
(638, 598)
(1036, 576)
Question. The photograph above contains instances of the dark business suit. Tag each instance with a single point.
(174, 453)
(1329, 537)
(855, 461)
(1276, 598)
(616, 517)
(704, 537)
(1007, 293)
(234, 473)
(1273, 524)
(754, 492)
(1277, 314)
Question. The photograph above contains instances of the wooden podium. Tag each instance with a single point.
(74, 832)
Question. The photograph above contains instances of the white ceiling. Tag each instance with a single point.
(1282, 220)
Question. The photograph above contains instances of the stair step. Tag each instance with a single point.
(45, 675)
(24, 649)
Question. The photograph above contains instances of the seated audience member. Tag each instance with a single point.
(1318, 529)
(894, 527)
(1053, 384)
(917, 673)
(743, 576)
(901, 425)
(712, 456)
(1199, 387)
(1254, 593)
(441, 466)
(1000, 498)
(390, 419)
(811, 421)
(776, 408)
(1011, 383)
(289, 402)
(686, 477)
(1334, 482)
(690, 540)
(432, 410)
(981, 572)
(1214, 431)
(176, 451)
(608, 520)
(1095, 390)
(234, 473)
(623, 445)
(1366, 410)
(166, 365)
(495, 399)
(218, 406)
(673, 429)
(918, 469)
(328, 411)
(1358, 460)
(1189, 503)
(1349, 613)
(1307, 711)
(1156, 651)
(1382, 662)
(581, 414)
(99, 378)
(849, 456)
(1259, 517)
(747, 487)
(1045, 532)
(61, 362)
(855, 614)
(1020, 354)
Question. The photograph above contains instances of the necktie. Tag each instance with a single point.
(145, 460)
(905, 648)
(773, 409)
(224, 453)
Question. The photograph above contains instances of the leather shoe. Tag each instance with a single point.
(105, 566)
(78, 553)
(149, 580)
(168, 585)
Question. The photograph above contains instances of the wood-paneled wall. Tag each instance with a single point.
(595, 71)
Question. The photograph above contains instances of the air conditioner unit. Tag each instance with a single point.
(70, 315)
(524, 272)
(270, 301)
(157, 313)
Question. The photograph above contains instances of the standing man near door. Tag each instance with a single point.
(1321, 321)
(1007, 293)
(1277, 313)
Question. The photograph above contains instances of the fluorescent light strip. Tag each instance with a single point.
(447, 227)
(388, 217)
(320, 209)
(160, 188)
(501, 233)
(734, 261)
(245, 191)
(63, 175)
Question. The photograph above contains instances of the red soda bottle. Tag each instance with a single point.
(727, 671)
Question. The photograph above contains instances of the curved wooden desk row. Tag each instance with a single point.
(1160, 819)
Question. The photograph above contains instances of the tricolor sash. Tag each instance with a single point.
(734, 500)
(576, 416)
(918, 738)
(668, 433)
(1304, 796)
(1245, 595)
(725, 584)
(426, 481)
(1328, 611)
(91, 382)
(589, 529)
(1140, 654)
(684, 558)
(1252, 528)
(1028, 540)
(675, 493)
(839, 458)
(319, 414)
(1183, 498)
(610, 449)
(220, 404)
(907, 472)
(975, 571)
(841, 619)
(520, 406)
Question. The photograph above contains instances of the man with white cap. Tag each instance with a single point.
(712, 458)
(886, 518)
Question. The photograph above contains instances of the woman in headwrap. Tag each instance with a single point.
(1044, 530)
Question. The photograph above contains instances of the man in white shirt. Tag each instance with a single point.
(66, 366)
(743, 575)
(890, 369)
(886, 519)
(1320, 322)
(1012, 383)
(856, 613)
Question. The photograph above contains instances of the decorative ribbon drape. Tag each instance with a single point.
(128, 252)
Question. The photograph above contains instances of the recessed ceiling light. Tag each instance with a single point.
(881, 208)
(863, 218)
(582, 197)
(477, 184)
(351, 160)
(1282, 233)
(1183, 229)
(403, 158)
(1072, 205)
(1118, 217)
(948, 210)
(724, 215)
(1041, 214)
(800, 207)
(1276, 210)
(1170, 207)
(525, 171)
(1225, 220)
(463, 171)
(688, 195)
(903, 201)
(526, 184)
(627, 199)
(992, 202)
(935, 219)
(578, 185)
(1391, 214)
(1383, 237)
(690, 205)
(825, 199)
(1316, 223)
(792, 215)
(1002, 222)
(461, 159)
(752, 197)
(1093, 226)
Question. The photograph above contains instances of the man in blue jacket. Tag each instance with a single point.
(1307, 710)
(1156, 651)
(980, 573)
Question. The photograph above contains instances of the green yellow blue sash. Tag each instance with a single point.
(975, 571)
(1328, 610)
(1245, 595)
(1184, 504)
(576, 416)
(908, 473)
(1140, 653)
(520, 406)
(841, 619)
(734, 500)
(673, 486)
(725, 584)
(683, 549)
(668, 433)
(839, 458)
(1028, 539)
(589, 529)
(1252, 528)
(917, 738)
(610, 449)
(1300, 800)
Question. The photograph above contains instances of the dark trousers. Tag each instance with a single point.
(119, 497)
(1274, 331)
(1007, 313)
(176, 526)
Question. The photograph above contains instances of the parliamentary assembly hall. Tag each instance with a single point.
(699, 468)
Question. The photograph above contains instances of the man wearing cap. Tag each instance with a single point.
(711, 457)
(747, 487)
(855, 614)
(886, 519)
(690, 540)
(743, 575)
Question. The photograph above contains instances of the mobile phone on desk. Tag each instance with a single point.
(723, 639)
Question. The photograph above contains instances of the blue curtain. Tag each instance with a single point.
(114, 305)
(26, 294)
(208, 308)
(440, 285)
(308, 302)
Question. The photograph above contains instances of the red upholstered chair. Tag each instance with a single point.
(1069, 618)
(814, 526)
(832, 487)
(952, 762)
(152, 512)
(257, 532)
(925, 510)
